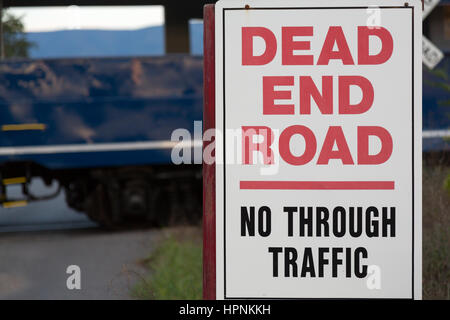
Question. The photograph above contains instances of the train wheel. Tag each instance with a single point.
(99, 208)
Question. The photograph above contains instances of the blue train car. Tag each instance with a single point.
(436, 108)
(436, 83)
(102, 129)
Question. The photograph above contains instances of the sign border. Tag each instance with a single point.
(406, 6)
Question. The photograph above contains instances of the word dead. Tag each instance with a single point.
(335, 37)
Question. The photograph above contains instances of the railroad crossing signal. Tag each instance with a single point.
(431, 55)
(428, 6)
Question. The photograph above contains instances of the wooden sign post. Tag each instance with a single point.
(209, 170)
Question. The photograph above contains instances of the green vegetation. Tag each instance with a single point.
(16, 44)
(447, 184)
(436, 233)
(443, 83)
(175, 270)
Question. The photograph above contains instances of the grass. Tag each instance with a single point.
(175, 268)
(436, 233)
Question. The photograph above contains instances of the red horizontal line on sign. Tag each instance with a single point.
(317, 185)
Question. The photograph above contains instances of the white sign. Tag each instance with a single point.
(318, 118)
(431, 54)
(428, 6)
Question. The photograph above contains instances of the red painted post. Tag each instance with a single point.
(209, 170)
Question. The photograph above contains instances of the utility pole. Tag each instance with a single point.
(177, 15)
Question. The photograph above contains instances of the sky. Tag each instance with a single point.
(41, 19)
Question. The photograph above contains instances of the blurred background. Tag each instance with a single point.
(90, 93)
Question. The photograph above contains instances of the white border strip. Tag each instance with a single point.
(436, 134)
(99, 147)
(131, 146)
